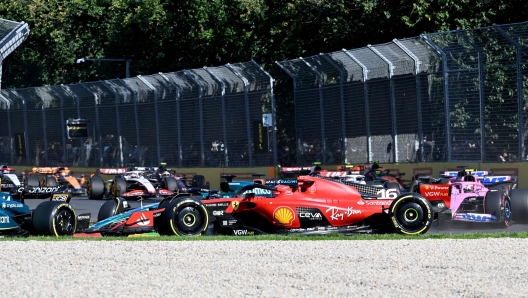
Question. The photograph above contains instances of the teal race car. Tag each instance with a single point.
(55, 217)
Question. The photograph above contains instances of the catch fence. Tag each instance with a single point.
(208, 117)
(449, 96)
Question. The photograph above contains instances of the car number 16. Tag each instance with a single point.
(387, 194)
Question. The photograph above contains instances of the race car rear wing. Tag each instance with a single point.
(54, 193)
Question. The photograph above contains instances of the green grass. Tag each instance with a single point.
(282, 237)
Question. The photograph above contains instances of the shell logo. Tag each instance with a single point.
(284, 216)
(427, 187)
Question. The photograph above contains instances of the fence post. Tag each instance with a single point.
(393, 103)
(63, 125)
(136, 119)
(520, 99)
(445, 75)
(224, 131)
(178, 126)
(321, 106)
(248, 119)
(342, 101)
(365, 92)
(297, 129)
(26, 135)
(417, 64)
(481, 93)
(45, 135)
(275, 149)
(9, 133)
(200, 107)
(142, 79)
(116, 99)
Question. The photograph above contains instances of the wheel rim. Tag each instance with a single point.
(189, 220)
(507, 212)
(89, 188)
(64, 222)
(410, 215)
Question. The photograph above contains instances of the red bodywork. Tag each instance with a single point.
(315, 200)
(436, 192)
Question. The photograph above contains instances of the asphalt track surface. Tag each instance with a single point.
(81, 204)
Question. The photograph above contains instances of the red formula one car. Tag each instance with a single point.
(316, 205)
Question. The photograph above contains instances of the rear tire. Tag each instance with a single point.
(50, 181)
(32, 180)
(53, 218)
(170, 183)
(493, 205)
(414, 186)
(411, 214)
(95, 188)
(198, 181)
(519, 205)
(185, 217)
(394, 185)
(118, 187)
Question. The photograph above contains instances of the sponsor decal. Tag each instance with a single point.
(436, 187)
(378, 203)
(494, 179)
(243, 233)
(4, 219)
(360, 202)
(12, 205)
(435, 194)
(476, 217)
(40, 189)
(259, 191)
(441, 205)
(113, 171)
(142, 220)
(83, 217)
(339, 214)
(235, 205)
(60, 197)
(218, 212)
(311, 216)
(284, 215)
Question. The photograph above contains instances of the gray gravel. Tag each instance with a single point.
(403, 268)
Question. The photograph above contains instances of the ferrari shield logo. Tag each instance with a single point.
(235, 204)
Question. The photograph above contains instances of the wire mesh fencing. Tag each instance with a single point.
(448, 96)
(209, 117)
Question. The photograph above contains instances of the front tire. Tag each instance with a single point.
(411, 214)
(493, 204)
(185, 217)
(50, 181)
(110, 208)
(519, 205)
(53, 218)
(118, 187)
(95, 188)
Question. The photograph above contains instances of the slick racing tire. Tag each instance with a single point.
(198, 181)
(394, 185)
(414, 186)
(53, 218)
(158, 224)
(493, 205)
(170, 183)
(50, 181)
(95, 188)
(111, 208)
(32, 180)
(411, 214)
(185, 217)
(519, 205)
(119, 187)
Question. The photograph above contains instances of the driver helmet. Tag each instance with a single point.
(134, 175)
(468, 188)
(165, 174)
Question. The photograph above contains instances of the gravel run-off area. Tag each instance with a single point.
(490, 267)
